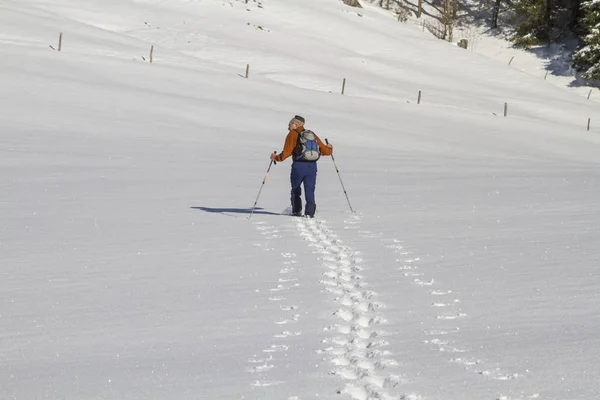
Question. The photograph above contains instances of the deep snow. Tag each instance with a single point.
(130, 269)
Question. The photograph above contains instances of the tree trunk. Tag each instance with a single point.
(575, 14)
(449, 15)
(495, 13)
(548, 14)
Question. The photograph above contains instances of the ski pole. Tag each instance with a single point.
(263, 184)
(339, 176)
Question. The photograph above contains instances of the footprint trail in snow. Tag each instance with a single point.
(356, 348)
(440, 333)
(274, 352)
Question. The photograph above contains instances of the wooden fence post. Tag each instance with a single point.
(343, 85)
(545, 76)
(60, 41)
(420, 10)
(247, 70)
(589, 94)
(511, 60)
(151, 53)
(505, 109)
(588, 126)
(419, 98)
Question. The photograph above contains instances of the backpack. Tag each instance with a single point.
(307, 148)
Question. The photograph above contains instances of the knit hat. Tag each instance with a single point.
(299, 118)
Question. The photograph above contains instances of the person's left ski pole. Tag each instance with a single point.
(261, 186)
(339, 176)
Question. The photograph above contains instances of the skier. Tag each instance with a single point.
(306, 148)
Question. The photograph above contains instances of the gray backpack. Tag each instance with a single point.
(307, 148)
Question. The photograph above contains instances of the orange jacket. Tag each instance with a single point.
(290, 145)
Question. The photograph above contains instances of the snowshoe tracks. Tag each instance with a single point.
(274, 352)
(356, 348)
(439, 334)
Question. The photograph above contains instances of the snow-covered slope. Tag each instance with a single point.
(551, 62)
(130, 269)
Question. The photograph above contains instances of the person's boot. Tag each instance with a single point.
(310, 210)
(296, 207)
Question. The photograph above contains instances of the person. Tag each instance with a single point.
(303, 172)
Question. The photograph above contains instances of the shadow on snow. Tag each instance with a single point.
(226, 211)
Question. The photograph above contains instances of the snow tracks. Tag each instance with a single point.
(359, 360)
(356, 348)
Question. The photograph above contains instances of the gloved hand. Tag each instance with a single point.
(273, 155)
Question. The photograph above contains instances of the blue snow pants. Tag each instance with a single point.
(304, 173)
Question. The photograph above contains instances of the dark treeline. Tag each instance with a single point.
(539, 22)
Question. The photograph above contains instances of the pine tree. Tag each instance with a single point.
(587, 58)
(533, 22)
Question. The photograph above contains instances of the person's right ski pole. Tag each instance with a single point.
(339, 176)
(261, 186)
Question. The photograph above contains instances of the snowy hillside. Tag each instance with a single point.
(551, 62)
(130, 268)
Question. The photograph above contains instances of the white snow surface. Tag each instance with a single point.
(130, 268)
